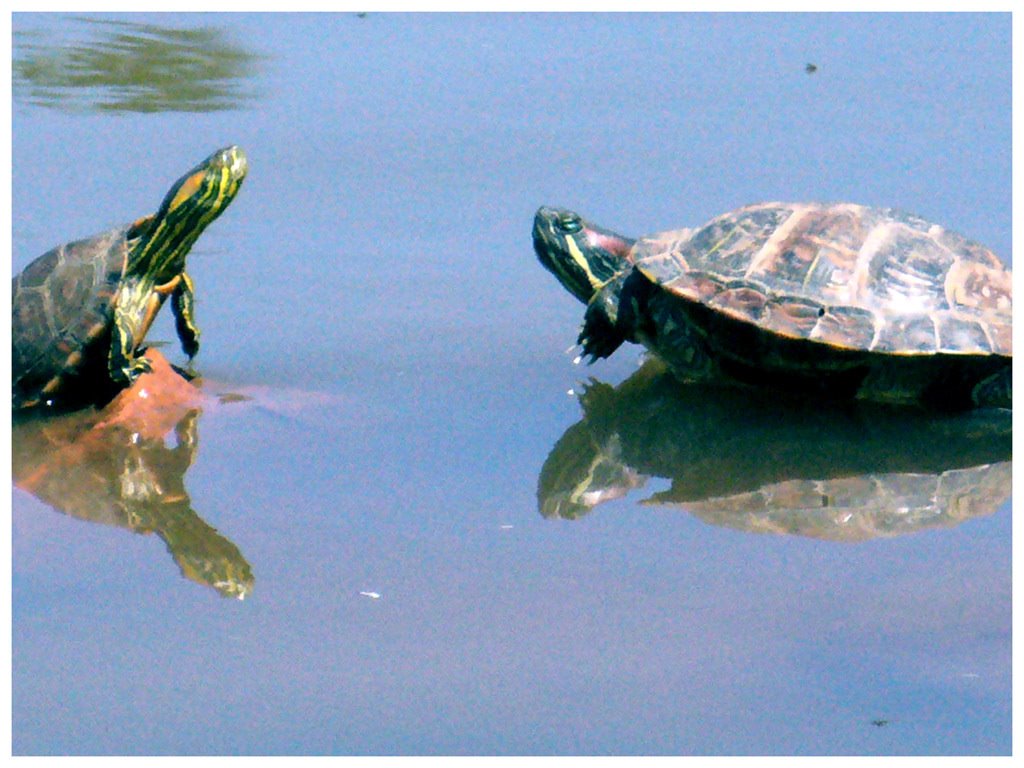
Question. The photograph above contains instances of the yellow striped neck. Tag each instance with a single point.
(193, 202)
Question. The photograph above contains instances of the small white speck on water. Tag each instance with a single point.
(577, 360)
(506, 527)
(371, 595)
(570, 392)
(570, 349)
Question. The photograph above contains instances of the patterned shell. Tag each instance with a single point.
(61, 305)
(844, 275)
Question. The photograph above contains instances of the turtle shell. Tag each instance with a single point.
(847, 276)
(61, 318)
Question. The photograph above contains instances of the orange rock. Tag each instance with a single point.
(155, 403)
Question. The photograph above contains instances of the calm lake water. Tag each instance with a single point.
(441, 546)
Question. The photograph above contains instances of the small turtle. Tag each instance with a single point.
(81, 310)
(836, 300)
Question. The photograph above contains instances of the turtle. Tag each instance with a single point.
(837, 301)
(81, 310)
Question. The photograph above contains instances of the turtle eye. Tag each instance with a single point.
(570, 223)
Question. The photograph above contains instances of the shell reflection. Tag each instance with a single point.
(759, 463)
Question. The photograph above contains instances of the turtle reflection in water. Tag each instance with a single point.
(114, 467)
(762, 463)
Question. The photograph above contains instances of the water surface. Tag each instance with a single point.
(398, 357)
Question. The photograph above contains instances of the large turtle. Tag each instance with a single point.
(836, 300)
(81, 310)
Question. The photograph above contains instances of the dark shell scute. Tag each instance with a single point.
(817, 248)
(957, 332)
(789, 265)
(36, 273)
(741, 298)
(698, 286)
(794, 316)
(728, 241)
(843, 326)
(907, 267)
(31, 312)
(907, 334)
(839, 228)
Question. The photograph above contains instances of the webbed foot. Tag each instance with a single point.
(599, 336)
(602, 333)
(183, 307)
(132, 369)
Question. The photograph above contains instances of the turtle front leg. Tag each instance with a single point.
(599, 335)
(611, 316)
(123, 364)
(183, 307)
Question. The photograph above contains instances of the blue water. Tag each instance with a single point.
(375, 283)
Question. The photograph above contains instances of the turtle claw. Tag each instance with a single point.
(139, 366)
(598, 339)
(190, 347)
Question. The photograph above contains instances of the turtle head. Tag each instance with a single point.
(581, 255)
(195, 200)
(209, 187)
